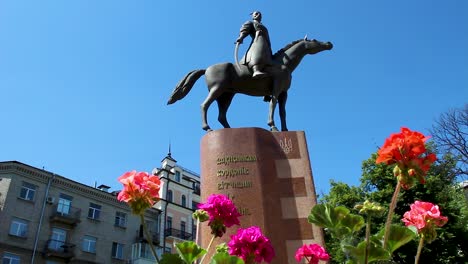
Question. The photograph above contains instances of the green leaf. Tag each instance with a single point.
(376, 252)
(353, 222)
(189, 251)
(326, 216)
(337, 220)
(171, 259)
(225, 258)
(398, 236)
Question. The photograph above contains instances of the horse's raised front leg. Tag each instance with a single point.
(214, 93)
(224, 101)
(271, 120)
(282, 110)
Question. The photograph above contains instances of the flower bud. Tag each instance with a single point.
(370, 208)
(200, 215)
(396, 171)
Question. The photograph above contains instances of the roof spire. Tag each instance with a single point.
(169, 153)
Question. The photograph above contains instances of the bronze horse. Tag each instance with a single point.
(226, 79)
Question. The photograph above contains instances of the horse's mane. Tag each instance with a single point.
(281, 51)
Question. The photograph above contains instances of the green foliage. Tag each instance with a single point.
(399, 236)
(189, 251)
(337, 219)
(343, 226)
(171, 259)
(376, 251)
(225, 258)
(378, 185)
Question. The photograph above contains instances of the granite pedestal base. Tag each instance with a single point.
(269, 178)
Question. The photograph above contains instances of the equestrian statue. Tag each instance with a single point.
(259, 74)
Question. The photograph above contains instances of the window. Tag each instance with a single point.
(64, 204)
(143, 250)
(9, 258)
(167, 249)
(117, 250)
(94, 211)
(194, 205)
(177, 176)
(169, 196)
(57, 239)
(196, 188)
(89, 244)
(28, 191)
(182, 227)
(184, 201)
(19, 227)
(194, 231)
(120, 219)
(169, 222)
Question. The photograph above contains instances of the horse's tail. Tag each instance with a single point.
(185, 85)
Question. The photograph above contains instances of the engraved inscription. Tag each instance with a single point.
(224, 173)
(226, 160)
(234, 185)
(232, 172)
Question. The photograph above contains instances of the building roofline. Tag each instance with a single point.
(51, 174)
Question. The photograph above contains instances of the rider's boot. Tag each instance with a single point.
(257, 73)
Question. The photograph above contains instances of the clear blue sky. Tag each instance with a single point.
(84, 83)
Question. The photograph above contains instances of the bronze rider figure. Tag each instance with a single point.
(259, 54)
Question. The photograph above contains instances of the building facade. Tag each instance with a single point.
(180, 197)
(47, 218)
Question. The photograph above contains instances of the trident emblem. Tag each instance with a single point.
(286, 145)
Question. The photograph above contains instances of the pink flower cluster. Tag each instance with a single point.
(425, 217)
(251, 245)
(222, 213)
(141, 190)
(313, 253)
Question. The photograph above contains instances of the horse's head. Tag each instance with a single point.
(314, 46)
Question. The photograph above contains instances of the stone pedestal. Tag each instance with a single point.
(269, 178)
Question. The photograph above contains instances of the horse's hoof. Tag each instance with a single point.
(274, 129)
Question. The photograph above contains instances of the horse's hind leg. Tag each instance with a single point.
(214, 93)
(271, 120)
(224, 101)
(282, 110)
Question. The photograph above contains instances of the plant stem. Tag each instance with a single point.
(197, 235)
(418, 254)
(366, 256)
(208, 248)
(148, 237)
(391, 210)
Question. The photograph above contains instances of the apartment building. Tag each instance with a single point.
(181, 195)
(47, 218)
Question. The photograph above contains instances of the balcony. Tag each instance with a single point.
(142, 238)
(59, 249)
(171, 232)
(65, 215)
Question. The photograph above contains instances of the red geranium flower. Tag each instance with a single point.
(222, 212)
(425, 217)
(141, 190)
(312, 253)
(251, 245)
(408, 151)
